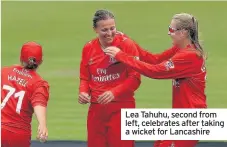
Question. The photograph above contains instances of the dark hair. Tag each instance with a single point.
(189, 22)
(31, 64)
(102, 15)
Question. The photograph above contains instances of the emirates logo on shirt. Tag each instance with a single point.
(104, 76)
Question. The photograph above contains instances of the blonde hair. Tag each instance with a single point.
(189, 22)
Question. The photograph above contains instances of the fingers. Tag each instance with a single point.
(105, 98)
(42, 135)
(43, 138)
(108, 51)
(111, 51)
(38, 134)
(102, 97)
(83, 99)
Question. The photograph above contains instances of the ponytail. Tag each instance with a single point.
(194, 35)
(31, 64)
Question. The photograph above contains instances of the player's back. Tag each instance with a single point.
(16, 106)
(189, 91)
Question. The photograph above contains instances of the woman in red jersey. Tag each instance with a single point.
(185, 65)
(106, 84)
(23, 93)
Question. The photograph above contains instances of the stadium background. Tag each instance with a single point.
(64, 27)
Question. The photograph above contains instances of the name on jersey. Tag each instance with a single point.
(22, 72)
(103, 76)
(18, 80)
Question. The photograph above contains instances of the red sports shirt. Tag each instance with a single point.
(185, 67)
(21, 90)
(100, 73)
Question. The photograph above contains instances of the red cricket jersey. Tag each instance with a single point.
(185, 67)
(100, 73)
(21, 90)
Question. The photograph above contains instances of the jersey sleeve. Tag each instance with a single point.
(133, 81)
(40, 94)
(181, 65)
(84, 72)
(151, 58)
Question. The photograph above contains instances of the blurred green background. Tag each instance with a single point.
(64, 27)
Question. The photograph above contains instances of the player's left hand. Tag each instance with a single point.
(112, 51)
(106, 97)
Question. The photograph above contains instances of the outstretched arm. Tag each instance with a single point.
(151, 58)
(179, 66)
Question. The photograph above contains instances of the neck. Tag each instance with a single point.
(185, 43)
(103, 44)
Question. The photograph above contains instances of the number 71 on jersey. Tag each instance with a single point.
(13, 94)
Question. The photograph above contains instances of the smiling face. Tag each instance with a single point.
(104, 26)
(106, 30)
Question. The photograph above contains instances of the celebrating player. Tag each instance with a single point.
(185, 65)
(107, 84)
(23, 92)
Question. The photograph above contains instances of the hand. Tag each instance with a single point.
(84, 98)
(119, 32)
(42, 133)
(112, 51)
(106, 97)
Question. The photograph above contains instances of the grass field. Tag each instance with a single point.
(64, 27)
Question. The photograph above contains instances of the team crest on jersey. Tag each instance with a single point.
(112, 60)
(169, 65)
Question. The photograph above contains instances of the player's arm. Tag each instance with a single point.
(39, 101)
(84, 90)
(133, 81)
(151, 58)
(179, 66)
(84, 72)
